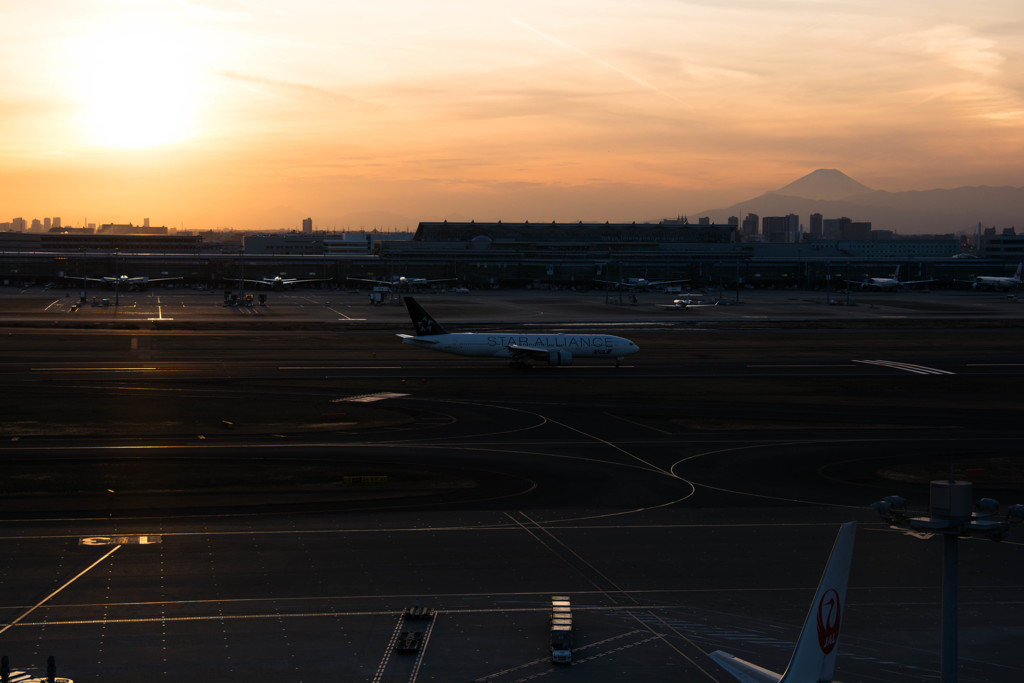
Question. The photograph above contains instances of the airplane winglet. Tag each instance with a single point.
(814, 658)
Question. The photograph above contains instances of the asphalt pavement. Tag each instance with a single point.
(257, 502)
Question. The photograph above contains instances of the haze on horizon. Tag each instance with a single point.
(222, 113)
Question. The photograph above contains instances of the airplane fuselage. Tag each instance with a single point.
(882, 282)
(996, 282)
(503, 345)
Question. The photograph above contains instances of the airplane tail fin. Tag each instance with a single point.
(814, 658)
(1020, 268)
(421, 320)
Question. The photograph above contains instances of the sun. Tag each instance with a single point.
(138, 83)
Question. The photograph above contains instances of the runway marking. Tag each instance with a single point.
(590, 568)
(763, 496)
(369, 398)
(119, 540)
(638, 424)
(388, 650)
(907, 367)
(575, 662)
(42, 602)
(423, 648)
(91, 369)
(159, 312)
(339, 367)
(343, 316)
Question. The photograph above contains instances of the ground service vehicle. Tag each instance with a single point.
(561, 629)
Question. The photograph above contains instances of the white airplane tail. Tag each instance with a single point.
(814, 659)
(1020, 267)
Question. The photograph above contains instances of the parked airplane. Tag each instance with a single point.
(279, 283)
(687, 304)
(640, 284)
(996, 282)
(887, 283)
(520, 348)
(814, 658)
(401, 282)
(122, 282)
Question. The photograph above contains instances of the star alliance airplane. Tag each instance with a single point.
(519, 348)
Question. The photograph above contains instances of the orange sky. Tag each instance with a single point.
(256, 114)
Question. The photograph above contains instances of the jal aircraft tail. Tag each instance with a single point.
(814, 659)
(421, 320)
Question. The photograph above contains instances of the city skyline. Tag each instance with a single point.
(222, 114)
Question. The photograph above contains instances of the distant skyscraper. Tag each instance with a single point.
(307, 225)
(817, 226)
(145, 222)
(18, 225)
(46, 224)
(835, 228)
(749, 227)
(780, 229)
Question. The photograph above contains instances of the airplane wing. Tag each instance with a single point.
(152, 279)
(620, 284)
(529, 352)
(289, 281)
(916, 282)
(743, 670)
(424, 341)
(686, 307)
(84, 279)
(383, 283)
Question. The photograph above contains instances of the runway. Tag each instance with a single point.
(239, 504)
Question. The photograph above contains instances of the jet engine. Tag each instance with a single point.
(556, 357)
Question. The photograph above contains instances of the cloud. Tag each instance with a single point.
(955, 45)
(289, 85)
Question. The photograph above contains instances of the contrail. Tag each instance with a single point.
(611, 67)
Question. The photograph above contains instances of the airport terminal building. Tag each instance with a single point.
(498, 254)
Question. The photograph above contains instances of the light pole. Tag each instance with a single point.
(952, 516)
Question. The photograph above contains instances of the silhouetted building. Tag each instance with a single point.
(307, 225)
(780, 229)
(291, 244)
(816, 227)
(750, 225)
(1009, 247)
(129, 229)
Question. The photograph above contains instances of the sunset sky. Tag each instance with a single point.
(257, 113)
